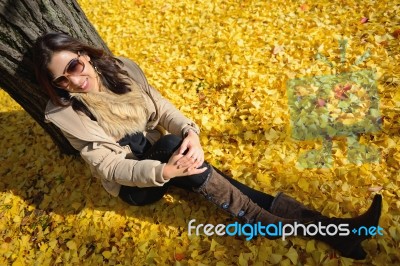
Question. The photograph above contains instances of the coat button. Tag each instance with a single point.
(225, 206)
(241, 213)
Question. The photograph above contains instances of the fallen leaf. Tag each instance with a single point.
(375, 189)
(304, 7)
(321, 102)
(106, 254)
(396, 33)
(277, 49)
(179, 256)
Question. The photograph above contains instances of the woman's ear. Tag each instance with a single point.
(87, 57)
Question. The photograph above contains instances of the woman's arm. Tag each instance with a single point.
(172, 119)
(167, 115)
(174, 169)
(109, 163)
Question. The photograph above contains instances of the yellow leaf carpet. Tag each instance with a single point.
(227, 65)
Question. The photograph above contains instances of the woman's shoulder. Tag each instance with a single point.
(78, 125)
(52, 110)
(64, 117)
(134, 70)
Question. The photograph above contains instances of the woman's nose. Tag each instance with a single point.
(75, 81)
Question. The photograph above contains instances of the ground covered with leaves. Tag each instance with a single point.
(231, 67)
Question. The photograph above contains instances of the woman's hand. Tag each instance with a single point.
(172, 169)
(194, 156)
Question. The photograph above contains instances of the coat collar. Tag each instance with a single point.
(75, 124)
(118, 114)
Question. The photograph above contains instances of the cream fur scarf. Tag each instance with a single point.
(117, 114)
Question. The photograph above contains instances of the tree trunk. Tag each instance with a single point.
(22, 21)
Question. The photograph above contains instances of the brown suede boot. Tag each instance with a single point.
(285, 211)
(287, 207)
(221, 192)
(349, 246)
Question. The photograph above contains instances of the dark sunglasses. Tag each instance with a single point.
(74, 67)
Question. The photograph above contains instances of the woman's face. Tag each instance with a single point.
(74, 72)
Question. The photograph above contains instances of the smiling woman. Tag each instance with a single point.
(66, 65)
(74, 69)
(110, 114)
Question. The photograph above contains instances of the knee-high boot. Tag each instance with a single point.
(289, 211)
(349, 246)
(221, 192)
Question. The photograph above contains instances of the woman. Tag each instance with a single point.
(111, 115)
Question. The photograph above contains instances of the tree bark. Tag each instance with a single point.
(22, 21)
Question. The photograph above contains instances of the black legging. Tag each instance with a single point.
(162, 151)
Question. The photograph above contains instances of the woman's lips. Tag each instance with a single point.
(85, 84)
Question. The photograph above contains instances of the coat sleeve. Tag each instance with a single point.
(108, 161)
(112, 165)
(168, 116)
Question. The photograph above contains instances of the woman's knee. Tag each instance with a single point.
(169, 142)
(163, 148)
(192, 181)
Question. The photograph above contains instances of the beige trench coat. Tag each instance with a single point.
(113, 164)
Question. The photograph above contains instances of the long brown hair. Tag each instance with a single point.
(112, 76)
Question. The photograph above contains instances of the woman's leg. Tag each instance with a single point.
(139, 196)
(224, 192)
(262, 199)
(221, 192)
(162, 151)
